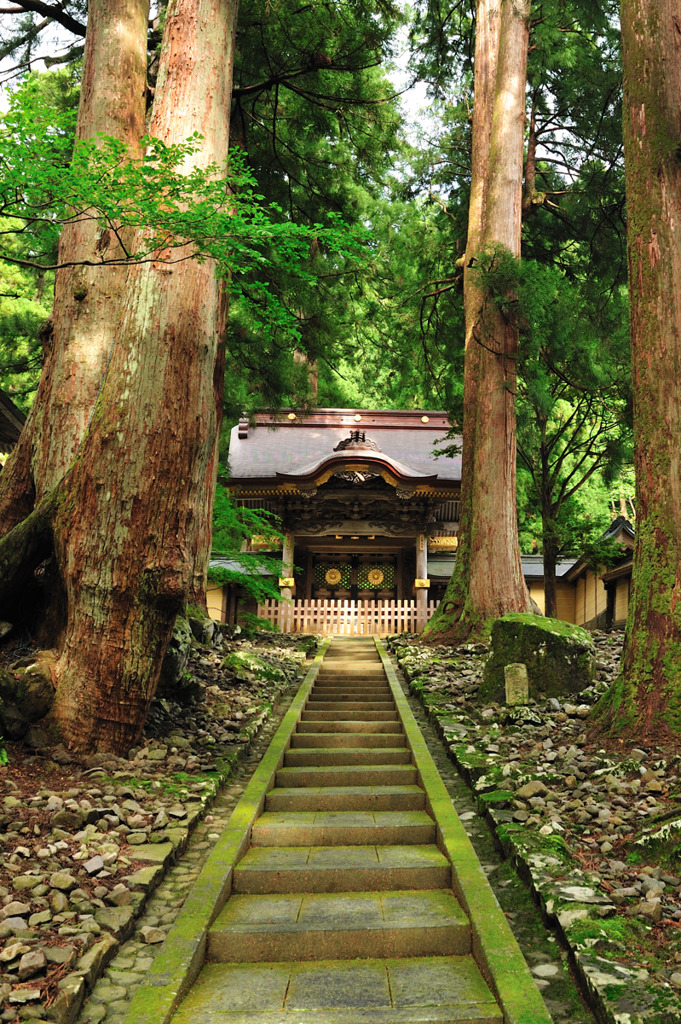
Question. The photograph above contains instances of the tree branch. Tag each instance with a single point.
(53, 11)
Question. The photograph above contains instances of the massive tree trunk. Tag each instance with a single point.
(645, 700)
(132, 535)
(84, 317)
(128, 513)
(488, 580)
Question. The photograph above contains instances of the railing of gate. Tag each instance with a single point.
(349, 618)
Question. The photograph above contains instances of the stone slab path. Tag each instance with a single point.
(356, 897)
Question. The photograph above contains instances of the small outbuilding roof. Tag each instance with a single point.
(442, 566)
(246, 566)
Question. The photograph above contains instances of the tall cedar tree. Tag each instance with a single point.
(81, 329)
(645, 700)
(128, 523)
(487, 581)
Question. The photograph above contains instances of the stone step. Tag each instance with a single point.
(418, 990)
(313, 714)
(321, 756)
(348, 775)
(345, 696)
(361, 689)
(347, 739)
(353, 725)
(362, 673)
(376, 678)
(339, 926)
(322, 704)
(341, 869)
(346, 798)
(342, 828)
(351, 666)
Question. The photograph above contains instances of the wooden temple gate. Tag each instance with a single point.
(346, 617)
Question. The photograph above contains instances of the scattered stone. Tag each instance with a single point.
(63, 880)
(21, 996)
(546, 970)
(60, 954)
(15, 909)
(31, 964)
(94, 865)
(10, 953)
(649, 909)
(532, 789)
(151, 935)
(23, 882)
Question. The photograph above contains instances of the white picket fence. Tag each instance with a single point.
(345, 618)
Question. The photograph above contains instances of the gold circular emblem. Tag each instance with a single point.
(333, 577)
(375, 577)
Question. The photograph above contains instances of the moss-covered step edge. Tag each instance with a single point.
(609, 987)
(76, 985)
(495, 949)
(181, 957)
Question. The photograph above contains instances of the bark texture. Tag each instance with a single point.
(83, 324)
(488, 580)
(646, 699)
(133, 537)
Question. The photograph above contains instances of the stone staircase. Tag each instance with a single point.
(342, 909)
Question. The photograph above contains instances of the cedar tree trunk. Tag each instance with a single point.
(550, 548)
(487, 581)
(646, 700)
(78, 337)
(131, 532)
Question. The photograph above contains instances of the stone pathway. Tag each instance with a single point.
(353, 900)
(110, 997)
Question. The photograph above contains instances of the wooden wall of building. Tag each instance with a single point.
(565, 599)
(622, 592)
(215, 596)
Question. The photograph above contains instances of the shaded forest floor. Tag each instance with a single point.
(594, 832)
(84, 843)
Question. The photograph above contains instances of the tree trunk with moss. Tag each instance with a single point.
(487, 581)
(129, 522)
(646, 699)
(78, 337)
(147, 470)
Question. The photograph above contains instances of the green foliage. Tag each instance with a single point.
(171, 208)
(573, 412)
(252, 624)
(24, 308)
(319, 125)
(231, 526)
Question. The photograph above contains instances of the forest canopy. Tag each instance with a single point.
(348, 251)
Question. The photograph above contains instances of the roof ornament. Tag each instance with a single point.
(357, 440)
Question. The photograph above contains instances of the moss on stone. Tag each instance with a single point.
(560, 657)
(660, 844)
(246, 665)
(589, 932)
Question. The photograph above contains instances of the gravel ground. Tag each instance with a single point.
(592, 830)
(84, 843)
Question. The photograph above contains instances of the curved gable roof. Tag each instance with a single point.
(279, 449)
